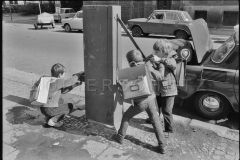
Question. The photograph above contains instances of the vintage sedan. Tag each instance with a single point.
(64, 13)
(164, 22)
(75, 23)
(212, 76)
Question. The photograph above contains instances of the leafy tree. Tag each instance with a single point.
(76, 5)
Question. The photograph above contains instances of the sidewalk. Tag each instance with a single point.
(24, 136)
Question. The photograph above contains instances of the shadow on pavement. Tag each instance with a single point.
(23, 114)
(140, 143)
(63, 31)
(43, 28)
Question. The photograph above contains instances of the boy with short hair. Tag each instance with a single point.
(164, 56)
(52, 110)
(147, 104)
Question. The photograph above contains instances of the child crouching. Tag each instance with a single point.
(52, 110)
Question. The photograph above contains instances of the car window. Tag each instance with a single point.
(72, 11)
(172, 16)
(186, 16)
(79, 15)
(157, 16)
(67, 11)
(223, 51)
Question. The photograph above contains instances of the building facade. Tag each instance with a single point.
(217, 13)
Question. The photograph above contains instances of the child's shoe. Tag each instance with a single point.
(55, 124)
(51, 123)
(118, 138)
(162, 148)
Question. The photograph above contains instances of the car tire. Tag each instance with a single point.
(203, 107)
(136, 31)
(181, 34)
(145, 34)
(67, 28)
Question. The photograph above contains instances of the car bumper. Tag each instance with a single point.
(43, 24)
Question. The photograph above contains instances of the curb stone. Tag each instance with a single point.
(219, 130)
(23, 77)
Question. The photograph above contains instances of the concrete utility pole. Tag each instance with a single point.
(102, 60)
(39, 7)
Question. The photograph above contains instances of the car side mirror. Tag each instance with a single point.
(177, 21)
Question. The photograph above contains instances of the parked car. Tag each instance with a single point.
(75, 23)
(164, 22)
(64, 13)
(44, 19)
(236, 28)
(212, 76)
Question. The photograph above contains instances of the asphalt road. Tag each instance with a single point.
(30, 50)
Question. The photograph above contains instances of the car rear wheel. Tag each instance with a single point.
(212, 105)
(67, 28)
(136, 31)
(181, 34)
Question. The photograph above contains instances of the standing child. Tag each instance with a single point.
(52, 110)
(165, 74)
(147, 104)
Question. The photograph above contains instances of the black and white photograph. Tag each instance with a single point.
(120, 80)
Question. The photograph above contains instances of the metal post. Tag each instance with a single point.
(10, 12)
(39, 7)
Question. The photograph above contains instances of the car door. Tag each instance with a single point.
(67, 13)
(170, 23)
(155, 23)
(77, 21)
(72, 13)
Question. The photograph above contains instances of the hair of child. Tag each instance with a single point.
(57, 69)
(134, 56)
(163, 45)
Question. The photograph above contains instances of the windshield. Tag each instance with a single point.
(223, 51)
(186, 16)
(79, 15)
(62, 11)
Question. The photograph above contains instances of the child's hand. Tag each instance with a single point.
(77, 84)
(156, 58)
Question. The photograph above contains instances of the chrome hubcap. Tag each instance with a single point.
(211, 104)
